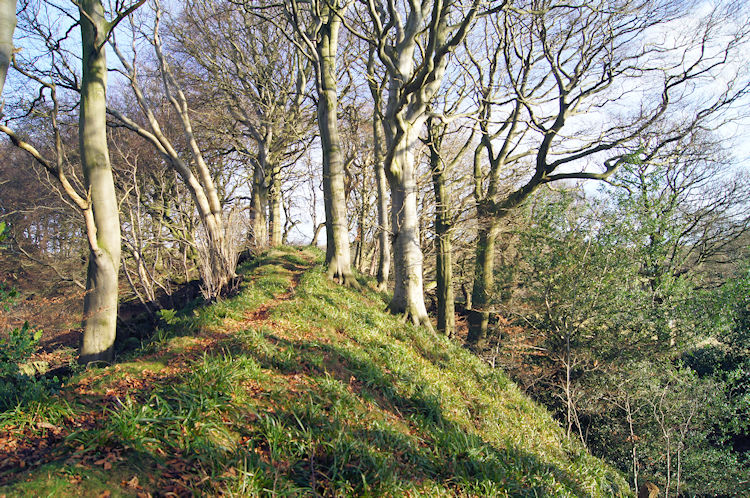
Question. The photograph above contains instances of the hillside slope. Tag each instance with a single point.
(295, 386)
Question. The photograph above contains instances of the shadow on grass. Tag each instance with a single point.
(322, 418)
(430, 447)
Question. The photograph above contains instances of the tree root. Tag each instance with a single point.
(410, 315)
(345, 278)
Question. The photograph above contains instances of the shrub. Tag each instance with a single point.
(17, 387)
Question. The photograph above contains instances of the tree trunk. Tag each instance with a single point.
(316, 234)
(446, 314)
(276, 227)
(634, 450)
(100, 303)
(259, 208)
(408, 293)
(384, 262)
(372, 257)
(568, 394)
(7, 26)
(221, 264)
(381, 180)
(484, 278)
(362, 226)
(338, 256)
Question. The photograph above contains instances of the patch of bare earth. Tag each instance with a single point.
(24, 448)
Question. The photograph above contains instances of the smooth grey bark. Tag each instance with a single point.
(316, 234)
(402, 127)
(221, 264)
(384, 239)
(100, 302)
(414, 47)
(99, 205)
(7, 27)
(319, 35)
(362, 223)
(383, 230)
(408, 293)
(338, 252)
(259, 206)
(446, 317)
(446, 308)
(274, 220)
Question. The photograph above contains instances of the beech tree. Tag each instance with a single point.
(554, 63)
(316, 25)
(260, 77)
(218, 268)
(99, 203)
(413, 42)
(442, 166)
(376, 82)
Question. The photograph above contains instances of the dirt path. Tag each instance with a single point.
(33, 441)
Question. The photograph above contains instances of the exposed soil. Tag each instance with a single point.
(22, 448)
(55, 306)
(43, 299)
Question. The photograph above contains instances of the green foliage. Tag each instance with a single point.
(17, 387)
(662, 421)
(329, 395)
(582, 284)
(735, 298)
(19, 345)
(8, 296)
(726, 360)
(635, 158)
(168, 316)
(613, 310)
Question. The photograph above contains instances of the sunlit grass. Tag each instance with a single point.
(324, 392)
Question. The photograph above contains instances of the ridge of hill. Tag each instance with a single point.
(293, 387)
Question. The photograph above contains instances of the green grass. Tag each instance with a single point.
(319, 392)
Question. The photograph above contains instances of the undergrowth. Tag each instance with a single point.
(19, 383)
(297, 386)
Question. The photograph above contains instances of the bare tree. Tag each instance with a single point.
(558, 77)
(317, 25)
(99, 203)
(199, 181)
(442, 163)
(158, 226)
(413, 42)
(377, 82)
(260, 77)
(697, 207)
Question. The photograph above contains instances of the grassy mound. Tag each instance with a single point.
(295, 386)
